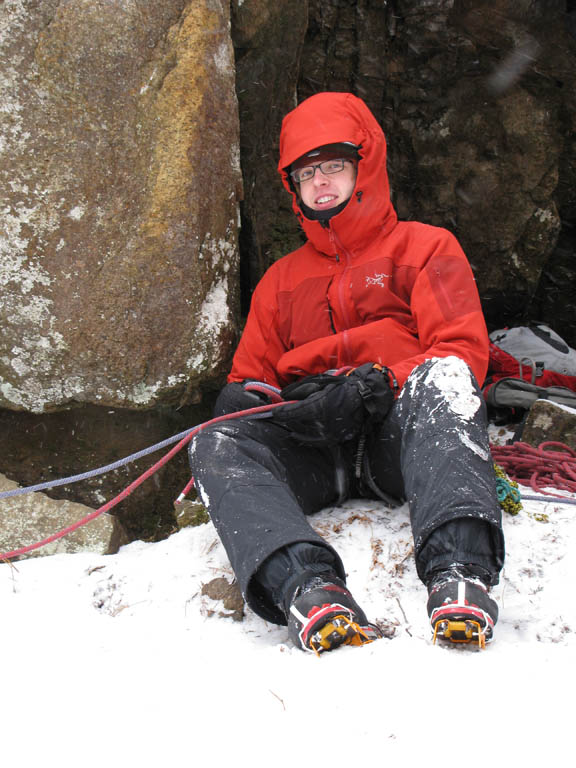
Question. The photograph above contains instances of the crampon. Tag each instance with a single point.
(324, 616)
(333, 626)
(461, 630)
(461, 612)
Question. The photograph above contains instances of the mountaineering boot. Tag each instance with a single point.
(323, 615)
(459, 607)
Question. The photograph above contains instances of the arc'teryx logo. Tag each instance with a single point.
(377, 279)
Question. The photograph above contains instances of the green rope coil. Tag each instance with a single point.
(507, 492)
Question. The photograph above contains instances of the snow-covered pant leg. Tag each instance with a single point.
(258, 484)
(433, 449)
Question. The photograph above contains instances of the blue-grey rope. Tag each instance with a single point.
(174, 439)
(544, 498)
(95, 472)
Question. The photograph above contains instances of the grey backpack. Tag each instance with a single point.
(530, 363)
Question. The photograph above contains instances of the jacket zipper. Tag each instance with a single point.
(339, 248)
(331, 316)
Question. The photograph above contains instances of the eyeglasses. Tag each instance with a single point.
(327, 167)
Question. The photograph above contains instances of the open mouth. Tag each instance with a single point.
(325, 200)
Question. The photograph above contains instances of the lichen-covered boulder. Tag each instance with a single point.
(548, 421)
(119, 164)
(31, 518)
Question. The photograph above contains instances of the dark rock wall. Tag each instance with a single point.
(38, 448)
(268, 39)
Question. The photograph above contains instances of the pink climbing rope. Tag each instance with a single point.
(550, 465)
(136, 483)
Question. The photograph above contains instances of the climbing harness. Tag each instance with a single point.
(271, 392)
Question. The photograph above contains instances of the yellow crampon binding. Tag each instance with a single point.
(466, 631)
(340, 631)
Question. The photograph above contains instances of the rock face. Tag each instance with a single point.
(478, 110)
(27, 519)
(548, 421)
(268, 38)
(120, 168)
(37, 448)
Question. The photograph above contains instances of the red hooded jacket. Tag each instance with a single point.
(365, 288)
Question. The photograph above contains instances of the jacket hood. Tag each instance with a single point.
(330, 118)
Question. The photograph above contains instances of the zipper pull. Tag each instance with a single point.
(333, 244)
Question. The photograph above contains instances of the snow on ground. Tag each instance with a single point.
(120, 660)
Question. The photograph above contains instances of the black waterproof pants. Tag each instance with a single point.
(259, 484)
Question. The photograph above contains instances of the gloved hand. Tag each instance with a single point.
(235, 397)
(378, 387)
(332, 409)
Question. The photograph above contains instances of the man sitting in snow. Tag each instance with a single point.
(374, 331)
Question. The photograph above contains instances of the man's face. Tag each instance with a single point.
(327, 190)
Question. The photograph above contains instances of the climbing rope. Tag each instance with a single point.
(539, 466)
(95, 472)
(507, 492)
(550, 465)
(188, 435)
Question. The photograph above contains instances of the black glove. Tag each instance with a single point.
(332, 409)
(234, 397)
(378, 387)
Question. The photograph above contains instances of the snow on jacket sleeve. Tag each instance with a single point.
(260, 347)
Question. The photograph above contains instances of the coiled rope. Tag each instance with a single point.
(550, 465)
